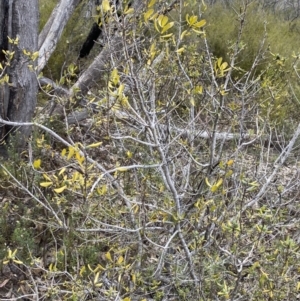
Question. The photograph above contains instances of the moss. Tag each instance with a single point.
(73, 35)
(46, 8)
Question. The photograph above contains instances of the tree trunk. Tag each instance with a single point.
(53, 29)
(18, 99)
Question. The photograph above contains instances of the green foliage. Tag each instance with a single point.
(223, 29)
(45, 8)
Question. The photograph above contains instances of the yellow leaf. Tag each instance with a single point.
(108, 256)
(114, 77)
(192, 101)
(153, 17)
(152, 49)
(99, 284)
(198, 89)
(148, 14)
(183, 34)
(71, 152)
(162, 20)
(223, 66)
(129, 11)
(35, 55)
(96, 277)
(63, 152)
(75, 176)
(14, 253)
(219, 61)
(204, 5)
(99, 268)
(120, 259)
(102, 190)
(60, 190)
(121, 90)
(9, 254)
(167, 27)
(105, 6)
(126, 299)
(228, 173)
(199, 24)
(191, 19)
(37, 163)
(207, 183)
(219, 183)
(214, 188)
(46, 177)
(79, 158)
(52, 268)
(230, 162)
(46, 184)
(167, 35)
(151, 3)
(90, 268)
(82, 270)
(62, 171)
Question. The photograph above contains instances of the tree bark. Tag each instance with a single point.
(100, 65)
(18, 99)
(53, 29)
